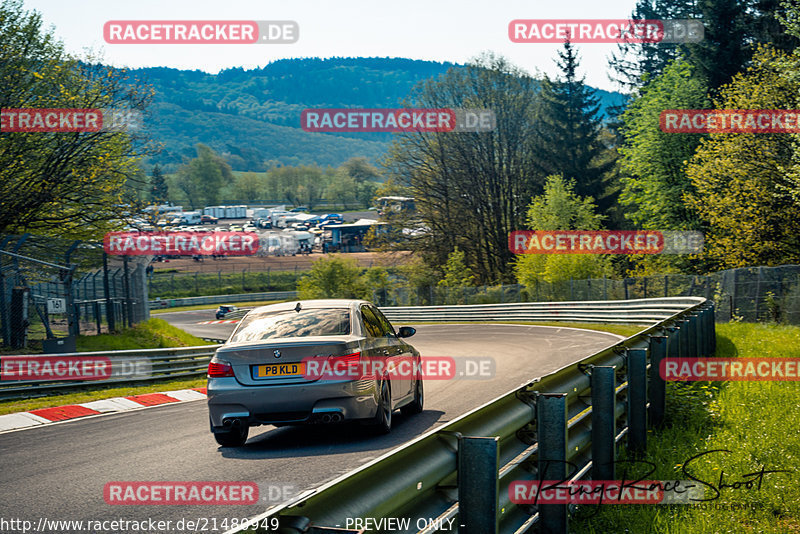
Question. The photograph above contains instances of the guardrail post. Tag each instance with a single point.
(705, 335)
(712, 325)
(673, 342)
(710, 334)
(701, 333)
(692, 341)
(604, 422)
(478, 485)
(658, 387)
(97, 317)
(637, 399)
(551, 423)
(683, 337)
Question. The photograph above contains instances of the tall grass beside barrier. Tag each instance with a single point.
(151, 334)
(178, 285)
(757, 422)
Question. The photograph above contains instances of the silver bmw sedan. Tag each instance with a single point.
(312, 361)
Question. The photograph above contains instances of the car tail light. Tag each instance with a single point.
(219, 369)
(347, 364)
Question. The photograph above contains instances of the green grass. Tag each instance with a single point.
(152, 334)
(757, 421)
(13, 406)
(178, 285)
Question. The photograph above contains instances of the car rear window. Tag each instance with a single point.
(290, 323)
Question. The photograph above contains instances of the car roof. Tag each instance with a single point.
(312, 304)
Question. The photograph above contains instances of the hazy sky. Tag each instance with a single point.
(440, 30)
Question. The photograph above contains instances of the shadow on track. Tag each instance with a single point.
(318, 440)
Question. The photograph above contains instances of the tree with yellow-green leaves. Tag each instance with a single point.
(67, 184)
(740, 179)
(559, 208)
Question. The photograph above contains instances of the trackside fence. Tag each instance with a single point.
(222, 299)
(583, 414)
(752, 294)
(52, 290)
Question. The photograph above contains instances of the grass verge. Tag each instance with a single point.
(151, 334)
(756, 421)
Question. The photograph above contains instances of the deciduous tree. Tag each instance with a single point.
(69, 184)
(469, 188)
(560, 208)
(742, 192)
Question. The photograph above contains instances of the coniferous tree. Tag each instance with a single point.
(159, 192)
(732, 30)
(635, 63)
(569, 127)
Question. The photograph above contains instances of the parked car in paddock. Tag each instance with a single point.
(312, 361)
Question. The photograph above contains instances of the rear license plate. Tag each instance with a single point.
(280, 369)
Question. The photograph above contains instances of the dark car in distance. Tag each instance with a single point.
(224, 310)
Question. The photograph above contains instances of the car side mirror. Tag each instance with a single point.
(406, 331)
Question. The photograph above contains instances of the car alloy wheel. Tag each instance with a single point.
(383, 417)
(415, 406)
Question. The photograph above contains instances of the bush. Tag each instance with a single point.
(333, 277)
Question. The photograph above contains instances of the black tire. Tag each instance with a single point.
(415, 406)
(234, 438)
(382, 423)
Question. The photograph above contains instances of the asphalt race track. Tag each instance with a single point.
(59, 471)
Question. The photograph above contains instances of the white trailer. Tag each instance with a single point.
(215, 211)
(236, 212)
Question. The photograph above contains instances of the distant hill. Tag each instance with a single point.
(253, 116)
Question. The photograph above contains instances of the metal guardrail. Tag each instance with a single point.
(638, 311)
(126, 367)
(222, 299)
(577, 414)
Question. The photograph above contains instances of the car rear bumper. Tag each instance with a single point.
(291, 403)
